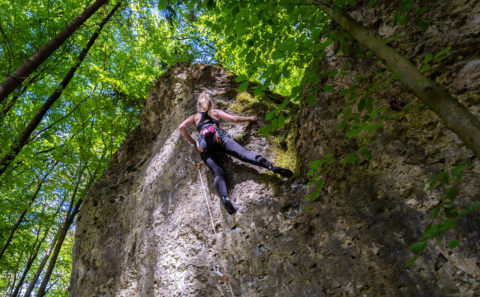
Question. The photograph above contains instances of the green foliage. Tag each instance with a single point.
(85, 127)
(431, 59)
(408, 11)
(319, 170)
(445, 215)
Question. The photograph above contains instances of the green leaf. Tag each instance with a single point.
(258, 91)
(316, 164)
(374, 126)
(310, 100)
(241, 78)
(235, 10)
(426, 67)
(452, 244)
(281, 121)
(418, 246)
(350, 90)
(283, 46)
(350, 159)
(285, 72)
(328, 88)
(451, 212)
(441, 55)
(451, 193)
(333, 73)
(361, 104)
(353, 132)
(243, 86)
(428, 58)
(210, 4)
(162, 4)
(270, 115)
(253, 19)
(278, 55)
(250, 57)
(342, 125)
(397, 76)
(265, 130)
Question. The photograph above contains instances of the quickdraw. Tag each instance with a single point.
(224, 277)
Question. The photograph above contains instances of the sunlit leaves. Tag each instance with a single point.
(99, 107)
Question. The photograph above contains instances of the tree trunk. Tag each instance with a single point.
(56, 244)
(34, 255)
(35, 278)
(66, 226)
(23, 137)
(16, 271)
(455, 116)
(10, 103)
(22, 216)
(30, 65)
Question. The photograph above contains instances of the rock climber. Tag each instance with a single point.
(213, 140)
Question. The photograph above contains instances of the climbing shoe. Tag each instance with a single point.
(228, 205)
(282, 171)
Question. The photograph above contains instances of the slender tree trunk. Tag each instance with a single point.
(32, 125)
(454, 115)
(22, 216)
(66, 226)
(40, 268)
(31, 260)
(21, 73)
(16, 271)
(28, 266)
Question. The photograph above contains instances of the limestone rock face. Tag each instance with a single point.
(145, 228)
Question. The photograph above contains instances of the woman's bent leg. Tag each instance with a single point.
(238, 151)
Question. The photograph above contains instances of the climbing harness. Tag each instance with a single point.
(204, 138)
(216, 269)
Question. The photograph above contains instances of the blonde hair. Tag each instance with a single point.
(204, 103)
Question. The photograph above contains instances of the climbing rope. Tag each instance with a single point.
(216, 269)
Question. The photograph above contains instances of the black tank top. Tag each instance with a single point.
(206, 119)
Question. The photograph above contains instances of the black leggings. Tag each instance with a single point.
(232, 148)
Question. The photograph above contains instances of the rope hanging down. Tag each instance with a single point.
(216, 269)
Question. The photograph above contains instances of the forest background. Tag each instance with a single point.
(63, 121)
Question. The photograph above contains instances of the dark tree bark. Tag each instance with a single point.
(7, 105)
(22, 215)
(455, 116)
(30, 65)
(15, 272)
(40, 268)
(69, 218)
(34, 255)
(22, 139)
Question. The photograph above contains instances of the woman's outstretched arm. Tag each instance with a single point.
(233, 118)
(183, 129)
